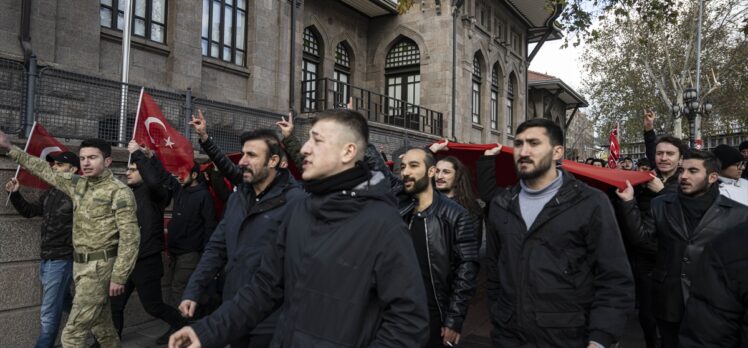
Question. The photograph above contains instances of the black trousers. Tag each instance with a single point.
(146, 278)
(435, 330)
(646, 298)
(669, 332)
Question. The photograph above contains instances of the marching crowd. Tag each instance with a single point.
(353, 255)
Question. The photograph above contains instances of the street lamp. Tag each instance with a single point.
(691, 108)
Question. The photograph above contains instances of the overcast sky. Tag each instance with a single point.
(563, 63)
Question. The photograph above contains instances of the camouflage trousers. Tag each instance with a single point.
(91, 309)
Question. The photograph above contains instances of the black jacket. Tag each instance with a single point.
(344, 271)
(248, 228)
(453, 255)
(152, 197)
(565, 281)
(193, 218)
(717, 311)
(56, 210)
(650, 148)
(677, 250)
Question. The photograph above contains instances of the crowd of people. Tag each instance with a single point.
(351, 254)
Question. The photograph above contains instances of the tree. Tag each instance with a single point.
(630, 67)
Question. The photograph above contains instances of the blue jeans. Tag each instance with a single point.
(56, 276)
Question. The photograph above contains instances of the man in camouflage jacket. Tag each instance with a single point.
(105, 237)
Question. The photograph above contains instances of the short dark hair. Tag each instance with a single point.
(600, 160)
(349, 118)
(100, 144)
(682, 148)
(428, 158)
(195, 168)
(711, 162)
(268, 135)
(628, 159)
(643, 162)
(552, 130)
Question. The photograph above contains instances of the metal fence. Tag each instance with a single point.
(77, 106)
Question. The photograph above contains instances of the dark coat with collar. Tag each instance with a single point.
(344, 273)
(677, 250)
(565, 280)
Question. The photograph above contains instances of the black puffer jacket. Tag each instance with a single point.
(344, 272)
(453, 252)
(56, 209)
(563, 282)
(677, 250)
(152, 198)
(717, 312)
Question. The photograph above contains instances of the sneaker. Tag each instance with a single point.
(164, 339)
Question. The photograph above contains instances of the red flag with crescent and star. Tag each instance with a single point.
(39, 144)
(615, 149)
(153, 131)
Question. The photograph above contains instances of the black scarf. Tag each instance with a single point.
(345, 180)
(694, 208)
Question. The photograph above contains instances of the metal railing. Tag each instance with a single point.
(374, 106)
(12, 95)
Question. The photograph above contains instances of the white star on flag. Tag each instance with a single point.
(169, 143)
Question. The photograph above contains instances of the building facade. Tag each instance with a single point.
(270, 56)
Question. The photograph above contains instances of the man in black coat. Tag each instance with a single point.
(342, 270)
(446, 244)
(56, 268)
(681, 224)
(717, 311)
(557, 270)
(192, 222)
(144, 177)
(250, 223)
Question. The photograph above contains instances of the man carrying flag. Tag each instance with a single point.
(56, 210)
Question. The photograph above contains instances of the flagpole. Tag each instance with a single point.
(137, 118)
(25, 148)
(126, 33)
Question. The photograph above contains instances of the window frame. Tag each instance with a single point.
(148, 20)
(234, 33)
(477, 82)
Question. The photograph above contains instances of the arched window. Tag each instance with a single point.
(510, 103)
(310, 70)
(403, 84)
(477, 80)
(342, 74)
(495, 97)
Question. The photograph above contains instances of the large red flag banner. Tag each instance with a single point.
(601, 178)
(40, 144)
(615, 149)
(154, 131)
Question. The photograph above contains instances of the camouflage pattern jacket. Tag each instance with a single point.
(103, 212)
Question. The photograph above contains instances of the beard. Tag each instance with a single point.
(697, 188)
(258, 176)
(419, 185)
(540, 168)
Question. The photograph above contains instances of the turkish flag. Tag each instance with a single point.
(615, 149)
(598, 177)
(152, 130)
(40, 144)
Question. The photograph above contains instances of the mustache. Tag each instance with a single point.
(524, 160)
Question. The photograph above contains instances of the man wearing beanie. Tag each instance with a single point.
(731, 185)
(744, 151)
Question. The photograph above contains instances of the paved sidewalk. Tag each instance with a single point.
(144, 335)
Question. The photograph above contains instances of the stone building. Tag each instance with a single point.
(268, 55)
(551, 98)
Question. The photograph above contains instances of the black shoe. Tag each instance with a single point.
(164, 339)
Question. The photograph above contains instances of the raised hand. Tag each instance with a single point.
(494, 151)
(627, 194)
(199, 125)
(649, 119)
(286, 126)
(436, 147)
(655, 185)
(133, 146)
(12, 185)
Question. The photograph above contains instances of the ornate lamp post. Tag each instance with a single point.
(691, 109)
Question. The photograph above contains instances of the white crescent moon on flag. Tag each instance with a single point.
(148, 122)
(47, 150)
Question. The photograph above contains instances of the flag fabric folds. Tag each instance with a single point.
(152, 130)
(615, 149)
(39, 144)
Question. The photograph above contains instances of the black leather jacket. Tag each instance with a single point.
(56, 209)
(453, 255)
